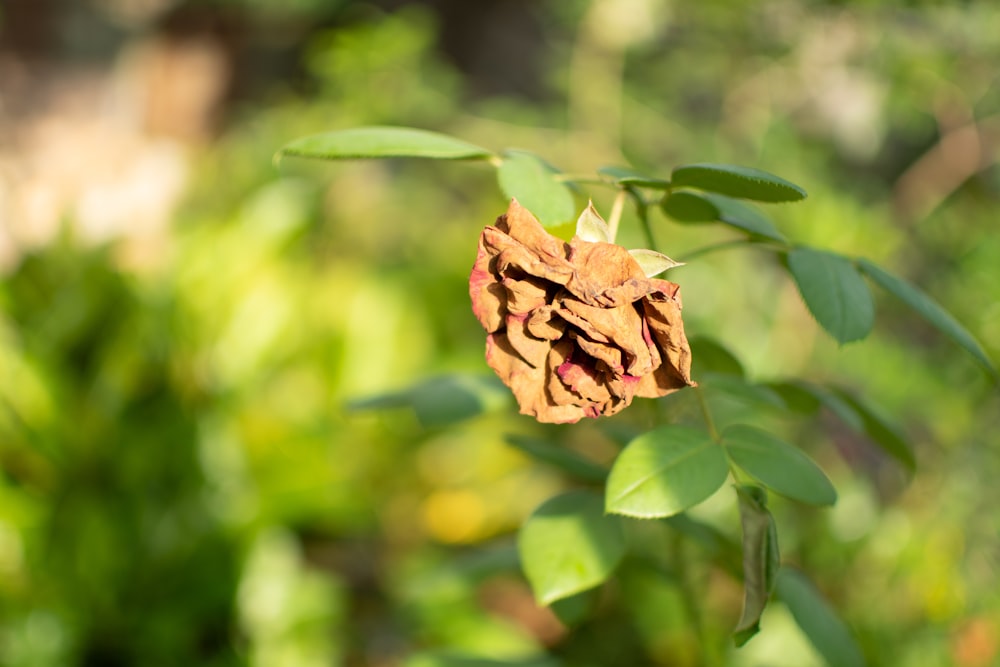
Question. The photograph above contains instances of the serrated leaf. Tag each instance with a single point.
(568, 545)
(590, 226)
(653, 263)
(561, 458)
(629, 176)
(930, 311)
(818, 620)
(760, 560)
(710, 356)
(665, 471)
(384, 142)
(827, 399)
(701, 207)
(880, 430)
(778, 465)
(795, 397)
(529, 179)
(834, 292)
(736, 181)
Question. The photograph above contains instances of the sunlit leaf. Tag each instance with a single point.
(590, 226)
(652, 262)
(665, 471)
(384, 142)
(527, 178)
(760, 560)
(930, 311)
(778, 465)
(834, 291)
(736, 181)
(560, 457)
(628, 176)
(569, 545)
(818, 620)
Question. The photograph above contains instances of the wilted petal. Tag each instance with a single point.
(544, 323)
(524, 295)
(605, 274)
(521, 225)
(621, 327)
(532, 350)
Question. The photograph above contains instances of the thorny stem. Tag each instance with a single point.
(616, 214)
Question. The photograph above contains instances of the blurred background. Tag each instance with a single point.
(182, 322)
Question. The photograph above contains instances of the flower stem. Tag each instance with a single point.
(616, 213)
(706, 413)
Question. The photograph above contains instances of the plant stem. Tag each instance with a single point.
(706, 413)
(642, 210)
(616, 213)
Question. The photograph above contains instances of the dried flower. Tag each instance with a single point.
(575, 329)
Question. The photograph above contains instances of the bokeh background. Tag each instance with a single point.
(183, 323)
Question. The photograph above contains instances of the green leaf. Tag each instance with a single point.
(561, 458)
(628, 176)
(745, 217)
(665, 471)
(760, 560)
(834, 291)
(696, 207)
(778, 465)
(574, 610)
(795, 396)
(930, 311)
(710, 356)
(799, 391)
(590, 226)
(684, 206)
(532, 181)
(735, 181)
(384, 142)
(882, 432)
(569, 545)
(653, 263)
(818, 620)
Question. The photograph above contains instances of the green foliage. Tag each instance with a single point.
(536, 185)
(384, 142)
(665, 471)
(568, 545)
(818, 621)
(760, 560)
(777, 465)
(836, 294)
(736, 181)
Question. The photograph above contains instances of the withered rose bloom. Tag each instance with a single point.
(575, 329)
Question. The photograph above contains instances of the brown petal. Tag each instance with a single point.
(621, 327)
(544, 323)
(525, 295)
(605, 274)
(532, 350)
(521, 225)
(488, 295)
(662, 309)
(527, 383)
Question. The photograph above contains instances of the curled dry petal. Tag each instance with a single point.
(575, 329)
